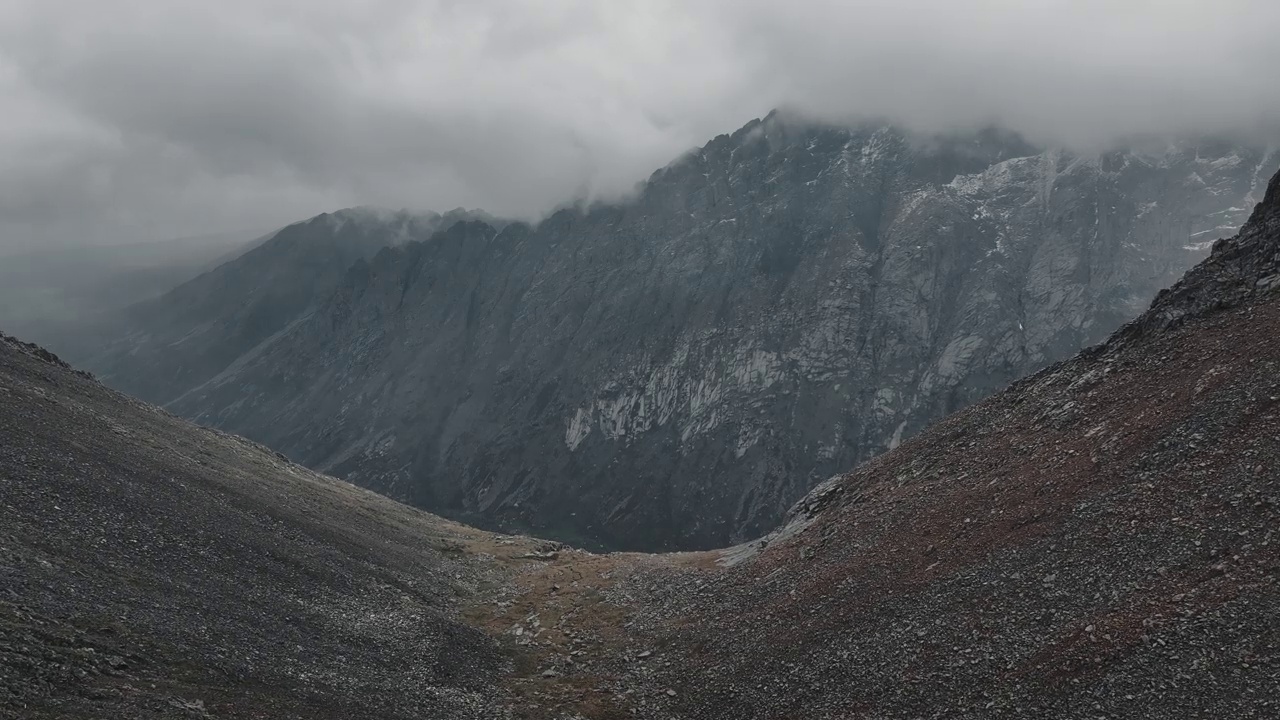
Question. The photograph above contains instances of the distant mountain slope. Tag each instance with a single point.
(150, 568)
(1101, 540)
(168, 345)
(774, 308)
(62, 296)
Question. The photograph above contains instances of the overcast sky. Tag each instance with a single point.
(145, 119)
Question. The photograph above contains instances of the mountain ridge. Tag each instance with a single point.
(772, 309)
(165, 346)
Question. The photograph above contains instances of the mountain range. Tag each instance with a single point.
(676, 370)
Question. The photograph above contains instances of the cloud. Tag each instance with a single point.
(141, 119)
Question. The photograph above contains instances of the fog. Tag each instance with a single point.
(143, 119)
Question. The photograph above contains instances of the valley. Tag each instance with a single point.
(1096, 539)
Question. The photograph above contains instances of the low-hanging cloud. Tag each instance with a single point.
(141, 119)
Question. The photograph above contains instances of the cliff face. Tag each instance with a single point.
(675, 371)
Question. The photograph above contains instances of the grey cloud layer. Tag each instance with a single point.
(141, 119)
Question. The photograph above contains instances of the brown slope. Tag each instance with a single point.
(1099, 541)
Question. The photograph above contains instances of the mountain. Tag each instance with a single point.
(675, 371)
(161, 347)
(1096, 541)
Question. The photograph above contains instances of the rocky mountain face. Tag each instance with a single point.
(675, 371)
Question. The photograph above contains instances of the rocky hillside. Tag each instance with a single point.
(150, 568)
(674, 372)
